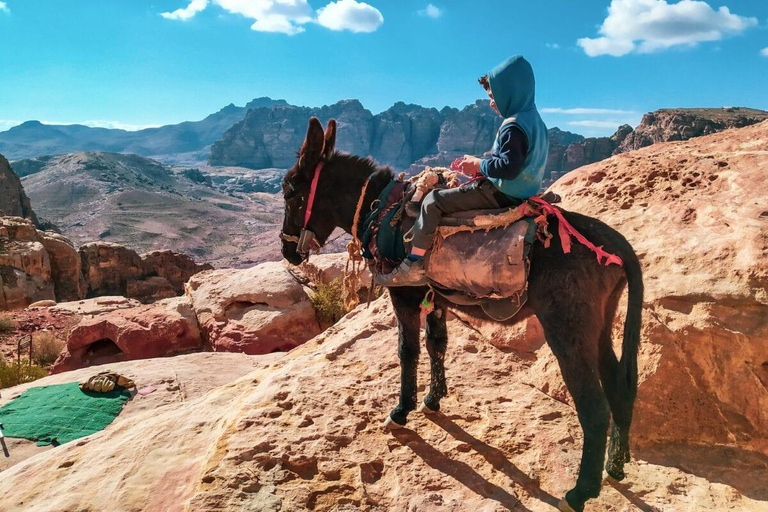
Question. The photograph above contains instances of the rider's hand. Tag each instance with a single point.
(469, 165)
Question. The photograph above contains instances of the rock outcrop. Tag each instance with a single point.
(13, 200)
(168, 327)
(256, 311)
(675, 124)
(66, 266)
(41, 265)
(697, 214)
(25, 268)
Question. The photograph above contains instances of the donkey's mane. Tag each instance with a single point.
(365, 166)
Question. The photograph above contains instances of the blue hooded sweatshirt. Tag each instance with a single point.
(514, 89)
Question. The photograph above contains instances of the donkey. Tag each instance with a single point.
(573, 296)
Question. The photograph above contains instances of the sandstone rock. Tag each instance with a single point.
(176, 268)
(257, 311)
(166, 328)
(303, 433)
(42, 304)
(149, 289)
(97, 305)
(695, 213)
(66, 266)
(13, 201)
(108, 267)
(25, 269)
(682, 124)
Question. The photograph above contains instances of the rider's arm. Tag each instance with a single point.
(507, 162)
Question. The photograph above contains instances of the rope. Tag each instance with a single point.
(354, 268)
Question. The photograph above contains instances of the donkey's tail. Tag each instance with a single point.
(627, 374)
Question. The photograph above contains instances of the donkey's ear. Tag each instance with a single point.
(312, 149)
(330, 139)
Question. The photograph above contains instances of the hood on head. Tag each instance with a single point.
(513, 86)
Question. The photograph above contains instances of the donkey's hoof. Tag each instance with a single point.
(391, 424)
(424, 408)
(563, 506)
(614, 473)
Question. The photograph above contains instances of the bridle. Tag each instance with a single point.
(307, 240)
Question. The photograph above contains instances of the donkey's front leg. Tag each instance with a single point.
(406, 306)
(437, 341)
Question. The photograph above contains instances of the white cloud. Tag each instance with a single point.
(114, 125)
(290, 16)
(645, 26)
(592, 123)
(764, 52)
(6, 124)
(350, 15)
(553, 46)
(585, 111)
(431, 11)
(185, 13)
(4, 7)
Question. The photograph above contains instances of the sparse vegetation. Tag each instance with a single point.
(14, 373)
(6, 324)
(46, 347)
(328, 302)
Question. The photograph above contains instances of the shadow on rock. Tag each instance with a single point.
(743, 470)
(460, 471)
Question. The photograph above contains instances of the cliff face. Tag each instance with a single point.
(668, 125)
(399, 136)
(13, 200)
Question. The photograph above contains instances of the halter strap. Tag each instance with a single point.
(312, 193)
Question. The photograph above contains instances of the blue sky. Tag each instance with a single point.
(599, 63)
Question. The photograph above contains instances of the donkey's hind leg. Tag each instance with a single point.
(621, 406)
(575, 347)
(406, 305)
(437, 341)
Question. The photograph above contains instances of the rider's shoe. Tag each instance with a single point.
(408, 273)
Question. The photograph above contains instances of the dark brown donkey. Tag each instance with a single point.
(572, 295)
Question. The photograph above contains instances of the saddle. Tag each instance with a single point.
(477, 258)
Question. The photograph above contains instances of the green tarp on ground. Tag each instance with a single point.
(61, 412)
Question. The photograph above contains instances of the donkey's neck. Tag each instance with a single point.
(357, 172)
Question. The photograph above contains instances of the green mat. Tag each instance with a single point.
(61, 412)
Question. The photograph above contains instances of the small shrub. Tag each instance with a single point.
(14, 374)
(328, 302)
(6, 324)
(46, 348)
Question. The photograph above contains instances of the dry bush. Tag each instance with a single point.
(46, 348)
(6, 324)
(14, 374)
(328, 302)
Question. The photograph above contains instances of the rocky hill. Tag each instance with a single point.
(303, 432)
(146, 205)
(184, 141)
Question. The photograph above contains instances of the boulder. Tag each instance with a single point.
(165, 328)
(97, 305)
(66, 266)
(149, 289)
(107, 267)
(25, 268)
(258, 310)
(175, 267)
(696, 214)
